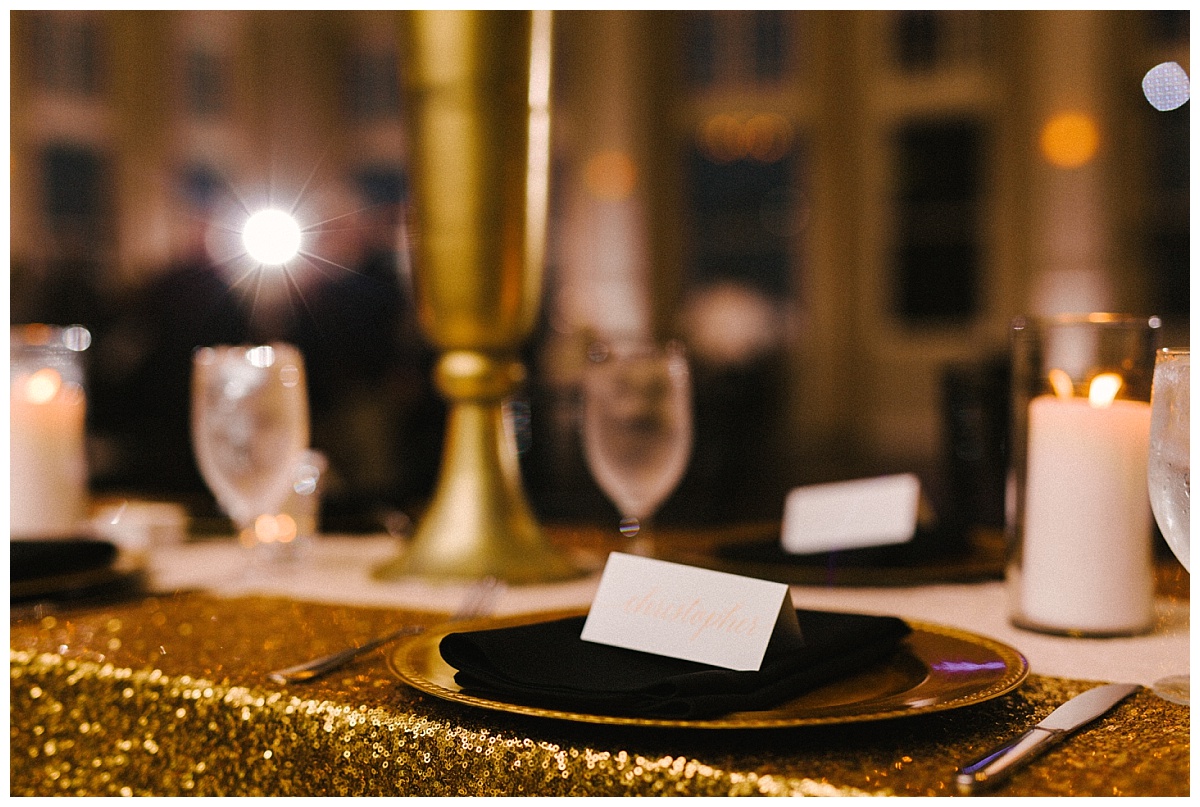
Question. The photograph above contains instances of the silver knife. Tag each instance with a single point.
(995, 766)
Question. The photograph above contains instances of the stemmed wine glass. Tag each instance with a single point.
(250, 430)
(637, 427)
(1170, 473)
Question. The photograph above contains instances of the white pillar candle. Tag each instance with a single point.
(47, 464)
(1087, 562)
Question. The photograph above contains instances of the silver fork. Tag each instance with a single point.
(477, 602)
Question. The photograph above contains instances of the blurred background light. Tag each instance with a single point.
(765, 138)
(768, 137)
(1070, 139)
(1166, 86)
(610, 175)
(271, 237)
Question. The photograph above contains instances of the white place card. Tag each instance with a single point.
(670, 609)
(851, 515)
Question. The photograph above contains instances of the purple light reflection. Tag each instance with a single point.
(967, 667)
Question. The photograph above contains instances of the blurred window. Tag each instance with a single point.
(740, 221)
(74, 190)
(770, 45)
(700, 48)
(939, 165)
(373, 85)
(204, 84)
(67, 51)
(1168, 27)
(731, 48)
(917, 39)
(933, 41)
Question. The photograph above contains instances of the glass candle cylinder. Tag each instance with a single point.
(1077, 516)
(47, 460)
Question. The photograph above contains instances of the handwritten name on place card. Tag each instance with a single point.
(669, 609)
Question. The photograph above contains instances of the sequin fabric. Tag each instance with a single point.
(168, 696)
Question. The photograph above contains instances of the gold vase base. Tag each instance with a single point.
(524, 565)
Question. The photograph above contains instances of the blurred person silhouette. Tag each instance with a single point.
(142, 401)
(374, 411)
(71, 281)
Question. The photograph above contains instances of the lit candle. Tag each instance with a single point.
(1087, 561)
(47, 465)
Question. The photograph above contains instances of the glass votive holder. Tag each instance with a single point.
(48, 497)
(1077, 512)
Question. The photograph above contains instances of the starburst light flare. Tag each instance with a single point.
(271, 237)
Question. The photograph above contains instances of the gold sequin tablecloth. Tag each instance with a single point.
(168, 696)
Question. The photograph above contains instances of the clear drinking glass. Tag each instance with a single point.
(250, 430)
(637, 427)
(1170, 473)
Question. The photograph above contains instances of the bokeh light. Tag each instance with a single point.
(768, 137)
(271, 237)
(76, 338)
(610, 175)
(765, 138)
(1070, 139)
(270, 529)
(1166, 86)
(261, 356)
(43, 386)
(721, 139)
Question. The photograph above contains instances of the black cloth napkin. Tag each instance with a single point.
(70, 569)
(53, 557)
(547, 665)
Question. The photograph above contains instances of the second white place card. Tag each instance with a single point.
(854, 514)
(689, 613)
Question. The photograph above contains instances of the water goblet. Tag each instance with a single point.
(1170, 473)
(250, 429)
(637, 427)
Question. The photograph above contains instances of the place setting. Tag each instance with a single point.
(667, 645)
(635, 656)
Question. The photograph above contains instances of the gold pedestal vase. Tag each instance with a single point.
(476, 100)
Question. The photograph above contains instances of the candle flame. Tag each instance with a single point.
(1060, 381)
(43, 386)
(1104, 390)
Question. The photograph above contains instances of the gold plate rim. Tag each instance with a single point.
(408, 662)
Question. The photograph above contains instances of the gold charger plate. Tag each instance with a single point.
(935, 669)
